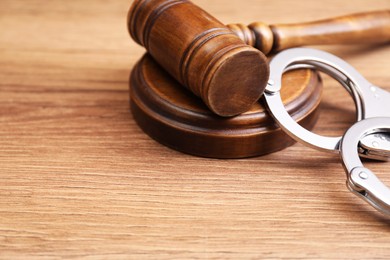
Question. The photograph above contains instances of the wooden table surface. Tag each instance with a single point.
(80, 179)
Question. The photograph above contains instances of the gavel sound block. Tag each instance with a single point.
(216, 65)
(176, 118)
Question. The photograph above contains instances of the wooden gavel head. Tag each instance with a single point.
(201, 53)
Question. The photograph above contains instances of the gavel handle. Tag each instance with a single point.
(361, 28)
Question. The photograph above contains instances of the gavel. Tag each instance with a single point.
(226, 66)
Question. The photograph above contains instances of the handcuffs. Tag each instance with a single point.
(369, 137)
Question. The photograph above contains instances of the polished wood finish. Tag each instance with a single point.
(361, 28)
(206, 57)
(193, 46)
(175, 117)
(201, 53)
(80, 180)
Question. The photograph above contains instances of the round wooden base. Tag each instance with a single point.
(173, 116)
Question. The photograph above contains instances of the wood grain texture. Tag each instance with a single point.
(201, 53)
(80, 179)
(175, 117)
(358, 28)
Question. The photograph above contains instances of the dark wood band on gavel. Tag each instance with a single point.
(224, 70)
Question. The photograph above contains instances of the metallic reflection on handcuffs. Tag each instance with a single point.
(369, 137)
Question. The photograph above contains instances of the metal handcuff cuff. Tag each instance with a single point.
(367, 138)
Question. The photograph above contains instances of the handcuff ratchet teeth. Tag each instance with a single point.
(369, 137)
